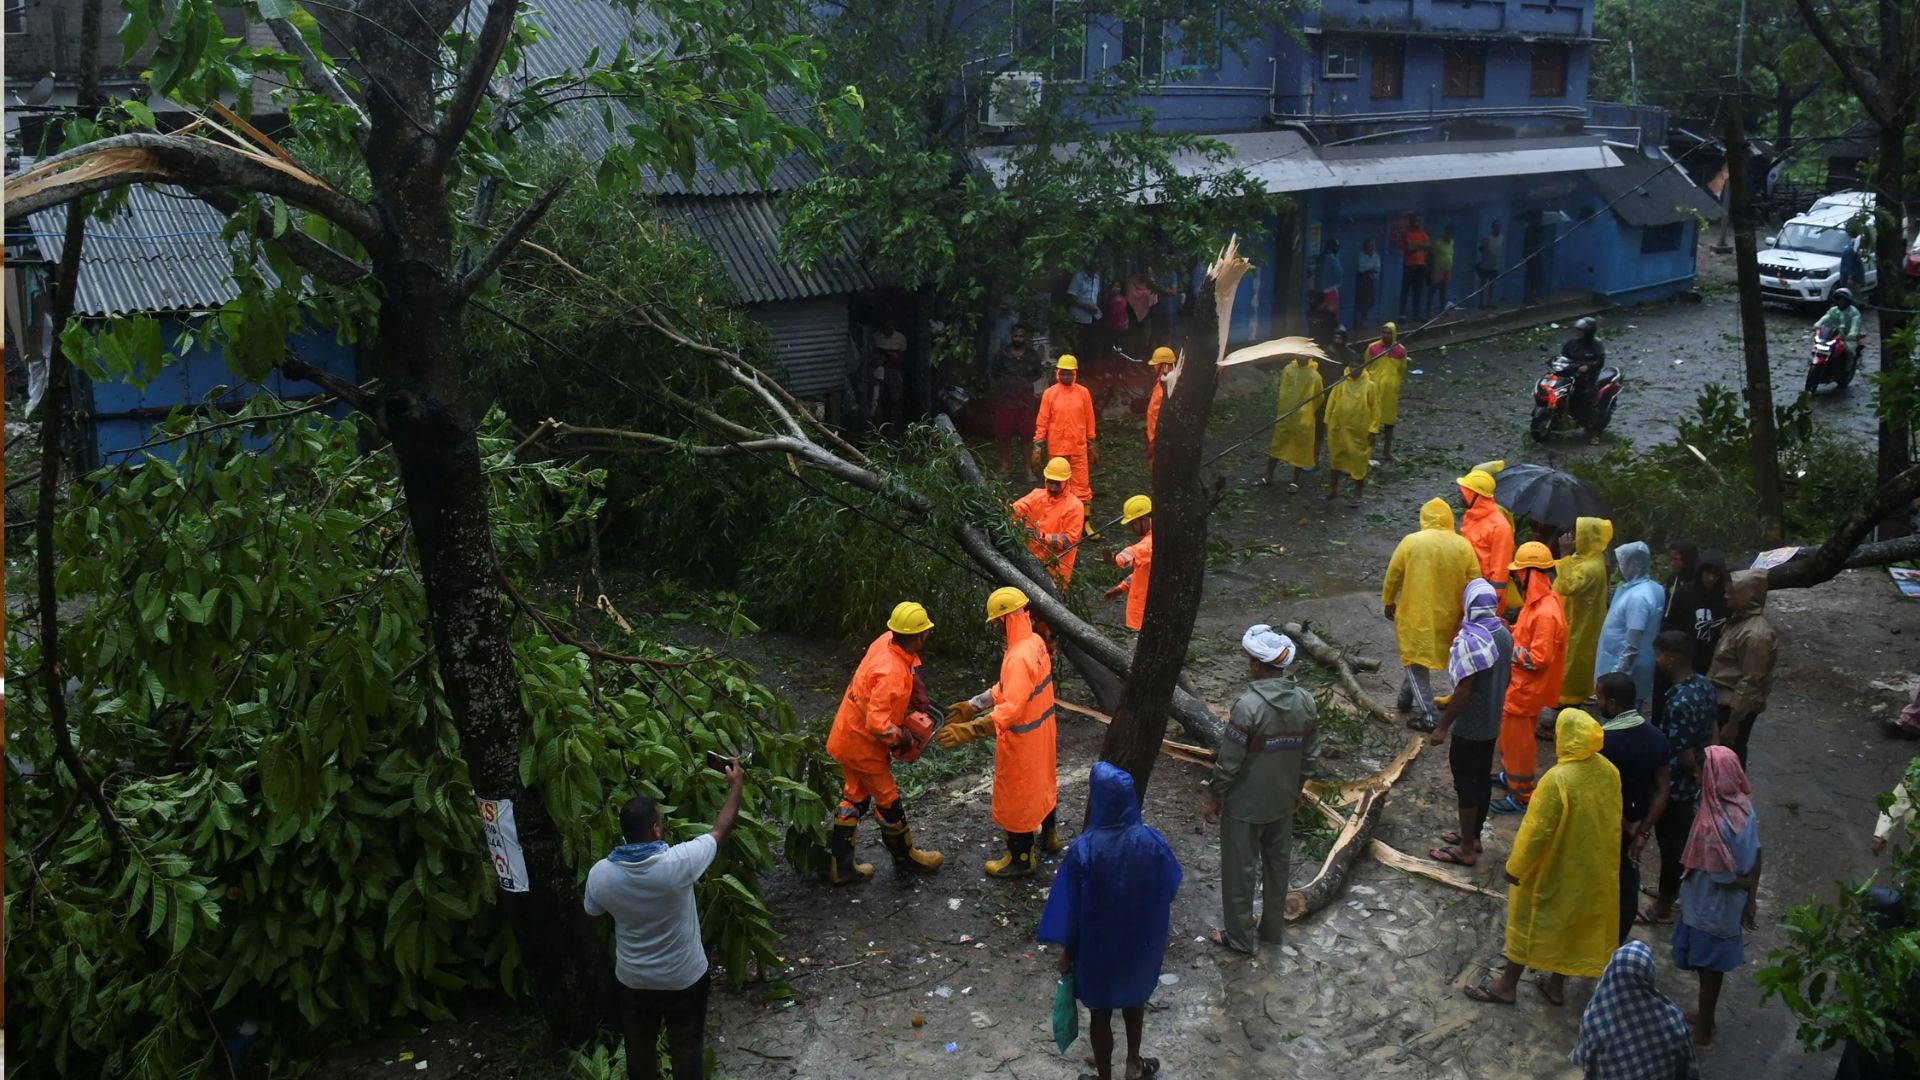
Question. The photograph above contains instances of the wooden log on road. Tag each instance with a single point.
(1351, 843)
(1329, 657)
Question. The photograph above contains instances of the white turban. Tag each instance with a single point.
(1266, 645)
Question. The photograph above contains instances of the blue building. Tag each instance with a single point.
(162, 255)
(1462, 112)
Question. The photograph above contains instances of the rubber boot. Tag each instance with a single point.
(842, 870)
(1018, 861)
(1050, 833)
(899, 841)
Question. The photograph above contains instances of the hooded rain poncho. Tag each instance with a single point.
(1425, 578)
(1742, 669)
(1111, 904)
(1350, 419)
(1564, 915)
(1633, 619)
(1486, 527)
(1386, 369)
(1300, 386)
(1581, 579)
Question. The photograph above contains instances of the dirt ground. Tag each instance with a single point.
(1372, 982)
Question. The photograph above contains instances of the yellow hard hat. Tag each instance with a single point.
(1479, 482)
(1533, 555)
(1004, 600)
(909, 618)
(1059, 469)
(1491, 467)
(1161, 355)
(1138, 506)
(1067, 362)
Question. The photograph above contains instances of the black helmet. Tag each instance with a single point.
(1586, 323)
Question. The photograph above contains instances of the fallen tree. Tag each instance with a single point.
(1844, 550)
(1336, 661)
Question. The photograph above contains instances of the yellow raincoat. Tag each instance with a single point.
(1425, 579)
(1300, 385)
(1581, 579)
(1350, 417)
(1386, 369)
(1564, 916)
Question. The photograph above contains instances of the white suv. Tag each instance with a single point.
(1802, 264)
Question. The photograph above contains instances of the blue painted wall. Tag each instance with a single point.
(119, 417)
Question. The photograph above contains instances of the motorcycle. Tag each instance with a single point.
(1835, 359)
(1556, 400)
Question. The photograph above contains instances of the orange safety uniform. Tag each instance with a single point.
(871, 712)
(1491, 535)
(1154, 402)
(1541, 631)
(1065, 426)
(1139, 558)
(1025, 779)
(1054, 525)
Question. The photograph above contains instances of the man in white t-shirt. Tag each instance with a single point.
(647, 886)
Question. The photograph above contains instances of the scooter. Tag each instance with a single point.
(1835, 359)
(1554, 400)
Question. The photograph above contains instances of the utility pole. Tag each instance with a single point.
(1753, 322)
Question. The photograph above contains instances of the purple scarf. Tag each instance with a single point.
(1473, 647)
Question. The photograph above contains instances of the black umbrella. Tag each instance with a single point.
(1549, 495)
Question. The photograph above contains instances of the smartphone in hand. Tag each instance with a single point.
(717, 761)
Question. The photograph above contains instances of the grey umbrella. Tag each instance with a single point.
(1549, 495)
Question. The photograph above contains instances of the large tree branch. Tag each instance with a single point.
(297, 366)
(516, 231)
(197, 164)
(319, 78)
(472, 87)
(1862, 81)
(1838, 553)
(324, 261)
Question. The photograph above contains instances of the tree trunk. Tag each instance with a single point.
(1753, 320)
(1895, 300)
(419, 355)
(1180, 512)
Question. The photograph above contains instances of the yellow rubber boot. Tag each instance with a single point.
(1017, 862)
(841, 869)
(1050, 835)
(899, 841)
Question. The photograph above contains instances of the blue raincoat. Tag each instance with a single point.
(1112, 901)
(1626, 638)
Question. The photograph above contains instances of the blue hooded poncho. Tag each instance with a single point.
(1112, 901)
(1626, 638)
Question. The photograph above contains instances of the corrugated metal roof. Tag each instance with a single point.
(744, 231)
(810, 343)
(1286, 162)
(1645, 191)
(162, 252)
(574, 29)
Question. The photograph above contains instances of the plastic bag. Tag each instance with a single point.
(1066, 1014)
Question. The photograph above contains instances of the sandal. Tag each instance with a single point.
(1148, 1067)
(1507, 805)
(1484, 994)
(1541, 983)
(1446, 855)
(1451, 836)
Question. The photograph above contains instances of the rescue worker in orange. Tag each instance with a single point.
(1161, 362)
(1486, 528)
(867, 731)
(1539, 660)
(1017, 713)
(1065, 426)
(1137, 558)
(1054, 520)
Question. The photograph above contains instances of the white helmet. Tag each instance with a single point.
(1586, 322)
(1843, 293)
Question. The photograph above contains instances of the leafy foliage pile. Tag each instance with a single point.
(1668, 493)
(295, 839)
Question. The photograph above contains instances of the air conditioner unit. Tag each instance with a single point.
(1009, 95)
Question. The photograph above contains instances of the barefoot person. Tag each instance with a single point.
(1564, 873)
(1295, 434)
(1480, 663)
(1113, 950)
(1255, 788)
(1630, 1030)
(1717, 894)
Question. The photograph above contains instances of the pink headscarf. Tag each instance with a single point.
(1723, 797)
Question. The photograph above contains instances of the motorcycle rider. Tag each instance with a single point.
(1589, 355)
(1842, 318)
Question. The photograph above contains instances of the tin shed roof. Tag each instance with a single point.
(744, 231)
(162, 252)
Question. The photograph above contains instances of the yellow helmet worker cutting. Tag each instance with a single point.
(871, 726)
(1018, 714)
